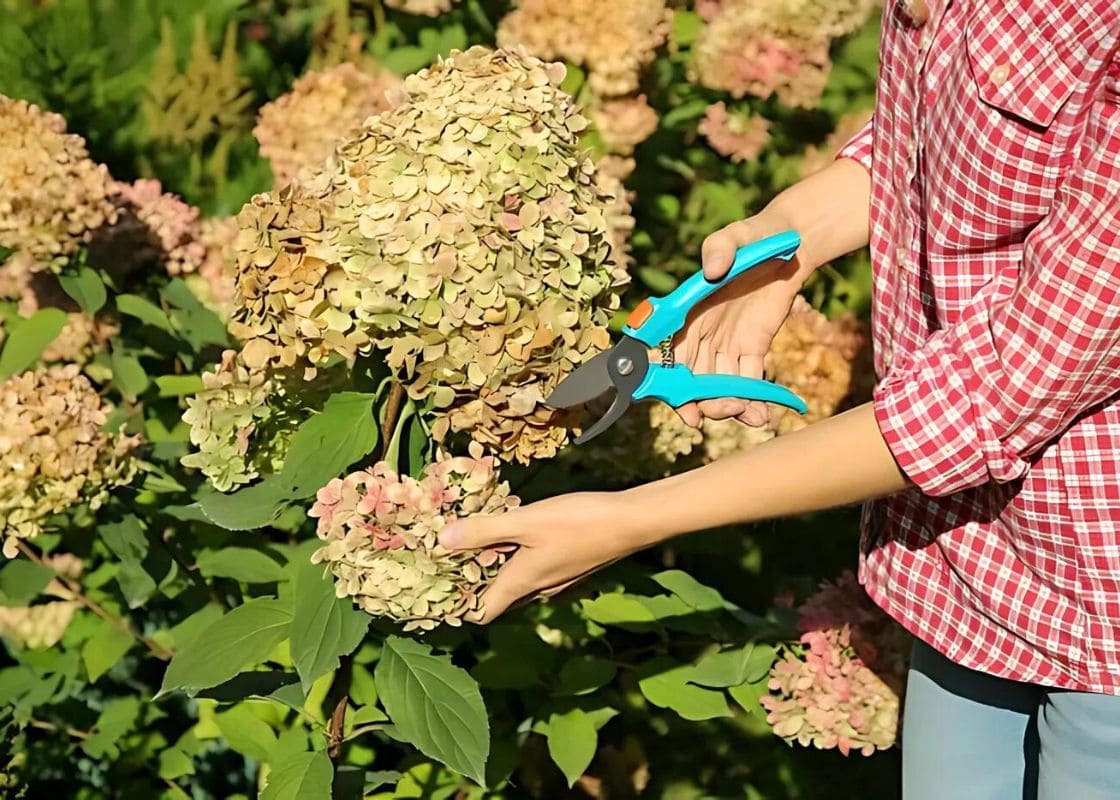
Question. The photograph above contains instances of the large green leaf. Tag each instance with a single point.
(241, 638)
(128, 542)
(620, 609)
(85, 287)
(664, 683)
(329, 442)
(246, 509)
(690, 590)
(145, 311)
(241, 564)
(572, 740)
(733, 666)
(306, 776)
(21, 580)
(129, 375)
(29, 338)
(435, 706)
(246, 733)
(324, 627)
(583, 674)
(104, 649)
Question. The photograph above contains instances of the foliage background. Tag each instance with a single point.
(85, 717)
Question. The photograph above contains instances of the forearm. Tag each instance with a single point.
(835, 462)
(830, 209)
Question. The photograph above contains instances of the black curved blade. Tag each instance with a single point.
(589, 381)
(617, 409)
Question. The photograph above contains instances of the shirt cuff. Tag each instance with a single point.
(858, 148)
(932, 418)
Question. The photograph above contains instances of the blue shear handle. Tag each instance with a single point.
(670, 312)
(677, 385)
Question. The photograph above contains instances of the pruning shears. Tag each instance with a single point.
(627, 370)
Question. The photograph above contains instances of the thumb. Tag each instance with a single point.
(718, 250)
(472, 533)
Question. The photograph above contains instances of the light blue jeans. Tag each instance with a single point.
(971, 736)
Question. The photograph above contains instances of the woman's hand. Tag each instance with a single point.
(731, 331)
(560, 541)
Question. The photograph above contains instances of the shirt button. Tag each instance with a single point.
(1000, 74)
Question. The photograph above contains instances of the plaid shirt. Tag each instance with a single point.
(994, 154)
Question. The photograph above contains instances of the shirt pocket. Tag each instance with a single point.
(1010, 128)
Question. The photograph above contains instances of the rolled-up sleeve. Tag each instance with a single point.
(1035, 348)
(858, 147)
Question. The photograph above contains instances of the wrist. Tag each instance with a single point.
(829, 209)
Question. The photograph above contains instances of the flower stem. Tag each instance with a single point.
(156, 649)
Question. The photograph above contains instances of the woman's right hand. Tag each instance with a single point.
(730, 332)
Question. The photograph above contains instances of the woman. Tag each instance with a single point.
(988, 186)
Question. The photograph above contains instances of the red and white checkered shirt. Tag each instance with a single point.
(994, 153)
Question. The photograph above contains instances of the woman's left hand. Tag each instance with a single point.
(560, 541)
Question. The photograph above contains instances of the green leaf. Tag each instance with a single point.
(178, 385)
(241, 564)
(128, 542)
(29, 338)
(685, 112)
(85, 287)
(116, 720)
(246, 509)
(572, 741)
(616, 608)
(435, 706)
(584, 674)
(104, 649)
(145, 311)
(22, 580)
(246, 733)
(747, 695)
(198, 325)
(307, 776)
(690, 590)
(324, 627)
(664, 683)
(686, 24)
(129, 375)
(329, 442)
(241, 638)
(178, 760)
(733, 666)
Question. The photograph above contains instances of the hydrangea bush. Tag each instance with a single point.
(282, 290)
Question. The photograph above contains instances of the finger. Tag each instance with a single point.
(509, 587)
(483, 530)
(724, 407)
(690, 414)
(718, 250)
(756, 414)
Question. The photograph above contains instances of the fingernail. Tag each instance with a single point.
(451, 536)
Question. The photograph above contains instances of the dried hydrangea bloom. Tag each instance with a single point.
(426, 8)
(380, 531)
(243, 419)
(173, 230)
(619, 212)
(299, 129)
(52, 196)
(812, 356)
(462, 231)
(817, 158)
(735, 135)
(614, 42)
(53, 451)
(713, 440)
(42, 625)
(39, 626)
(842, 687)
(213, 284)
(748, 49)
(624, 122)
